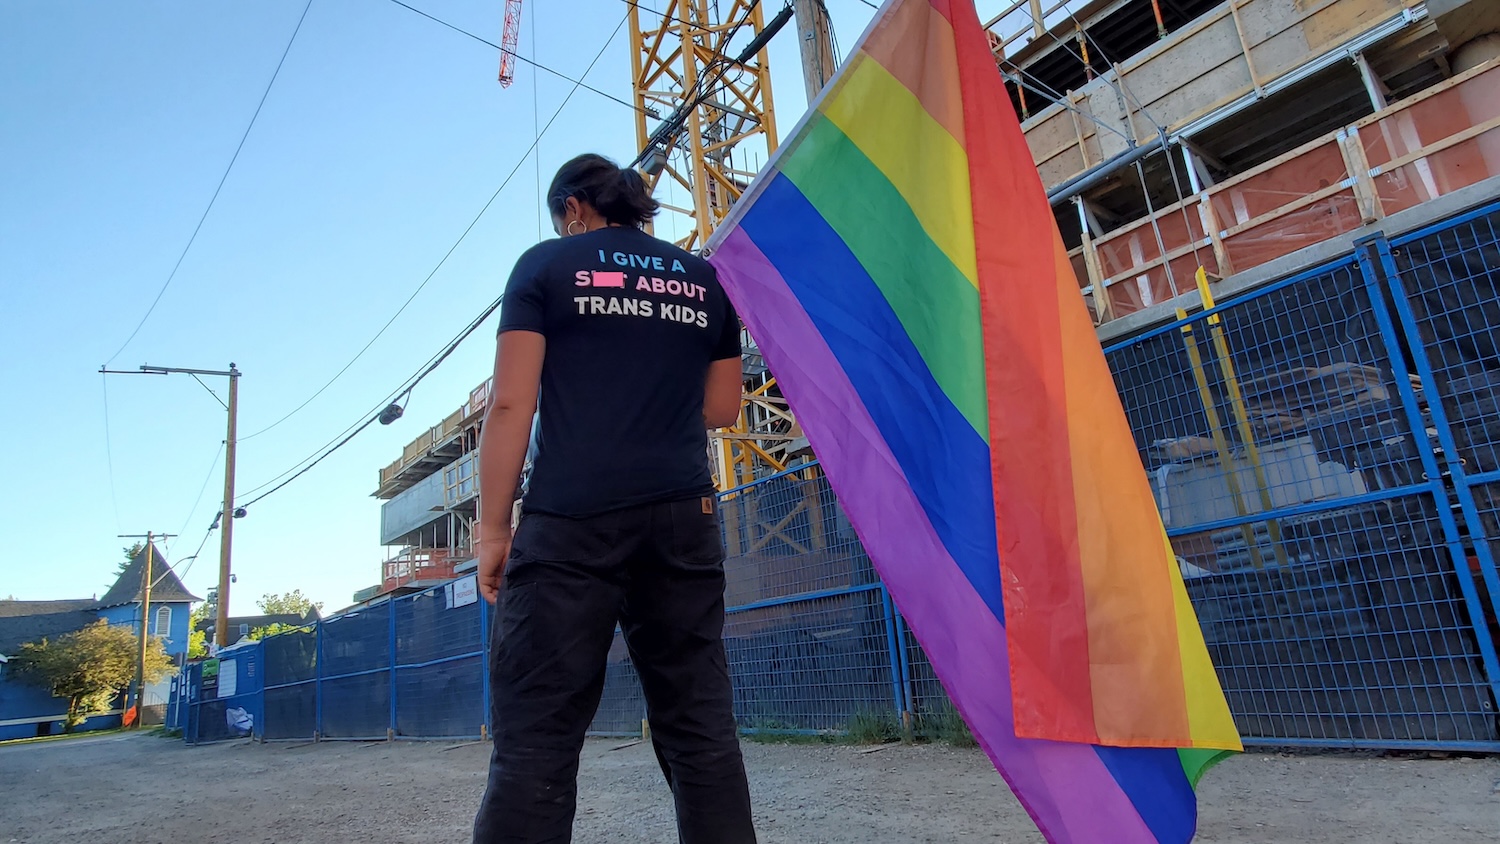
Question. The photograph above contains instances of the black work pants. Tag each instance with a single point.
(659, 572)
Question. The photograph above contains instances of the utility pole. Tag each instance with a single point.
(145, 638)
(229, 513)
(813, 34)
(226, 525)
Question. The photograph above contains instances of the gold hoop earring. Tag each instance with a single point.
(580, 224)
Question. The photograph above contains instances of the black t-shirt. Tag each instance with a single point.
(632, 324)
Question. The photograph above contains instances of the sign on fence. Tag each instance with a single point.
(462, 592)
(228, 678)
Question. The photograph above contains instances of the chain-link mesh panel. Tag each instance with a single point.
(357, 641)
(429, 628)
(1338, 613)
(357, 707)
(929, 701)
(291, 712)
(788, 536)
(291, 657)
(1451, 278)
(441, 699)
(1452, 281)
(1364, 637)
(623, 705)
(810, 665)
(226, 718)
(1283, 400)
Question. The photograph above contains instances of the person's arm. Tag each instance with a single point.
(502, 447)
(721, 395)
(507, 423)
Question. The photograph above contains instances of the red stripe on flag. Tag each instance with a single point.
(1045, 610)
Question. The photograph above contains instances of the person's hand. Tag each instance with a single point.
(494, 552)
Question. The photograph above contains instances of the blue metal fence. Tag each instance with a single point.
(231, 703)
(1294, 480)
(1325, 452)
(408, 668)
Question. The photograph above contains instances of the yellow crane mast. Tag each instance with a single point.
(705, 123)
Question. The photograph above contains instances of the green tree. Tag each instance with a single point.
(271, 630)
(198, 639)
(292, 603)
(129, 558)
(90, 667)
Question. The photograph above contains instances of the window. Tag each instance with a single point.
(163, 621)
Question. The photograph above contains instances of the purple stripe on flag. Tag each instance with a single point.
(1066, 788)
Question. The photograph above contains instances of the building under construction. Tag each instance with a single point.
(1285, 218)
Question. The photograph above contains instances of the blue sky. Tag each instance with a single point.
(383, 136)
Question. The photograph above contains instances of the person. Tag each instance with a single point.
(628, 351)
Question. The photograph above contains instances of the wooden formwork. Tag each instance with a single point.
(1426, 146)
(1233, 52)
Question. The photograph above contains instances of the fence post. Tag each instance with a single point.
(1407, 319)
(905, 658)
(318, 680)
(484, 665)
(898, 673)
(390, 731)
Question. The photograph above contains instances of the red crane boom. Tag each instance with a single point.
(508, 41)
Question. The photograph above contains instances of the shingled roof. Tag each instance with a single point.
(166, 588)
(31, 621)
(11, 608)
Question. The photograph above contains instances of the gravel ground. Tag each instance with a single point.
(139, 788)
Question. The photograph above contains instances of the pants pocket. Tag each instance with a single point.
(696, 536)
(555, 539)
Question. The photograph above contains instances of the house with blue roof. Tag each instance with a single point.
(27, 710)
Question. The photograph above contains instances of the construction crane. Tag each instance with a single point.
(705, 122)
(510, 37)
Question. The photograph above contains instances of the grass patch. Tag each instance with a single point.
(947, 726)
(773, 731)
(62, 737)
(767, 737)
(865, 727)
(874, 728)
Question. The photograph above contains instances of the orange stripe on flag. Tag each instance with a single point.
(1135, 668)
(915, 45)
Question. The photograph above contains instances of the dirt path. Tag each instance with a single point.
(146, 790)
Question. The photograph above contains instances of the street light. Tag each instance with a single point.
(226, 537)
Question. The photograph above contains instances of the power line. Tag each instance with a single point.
(217, 189)
(413, 382)
(665, 17)
(199, 500)
(109, 455)
(578, 83)
(194, 557)
(519, 57)
(349, 433)
(668, 129)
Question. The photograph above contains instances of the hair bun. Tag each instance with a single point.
(619, 194)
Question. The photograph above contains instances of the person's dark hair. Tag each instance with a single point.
(619, 194)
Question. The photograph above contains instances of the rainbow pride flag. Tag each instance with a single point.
(899, 265)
